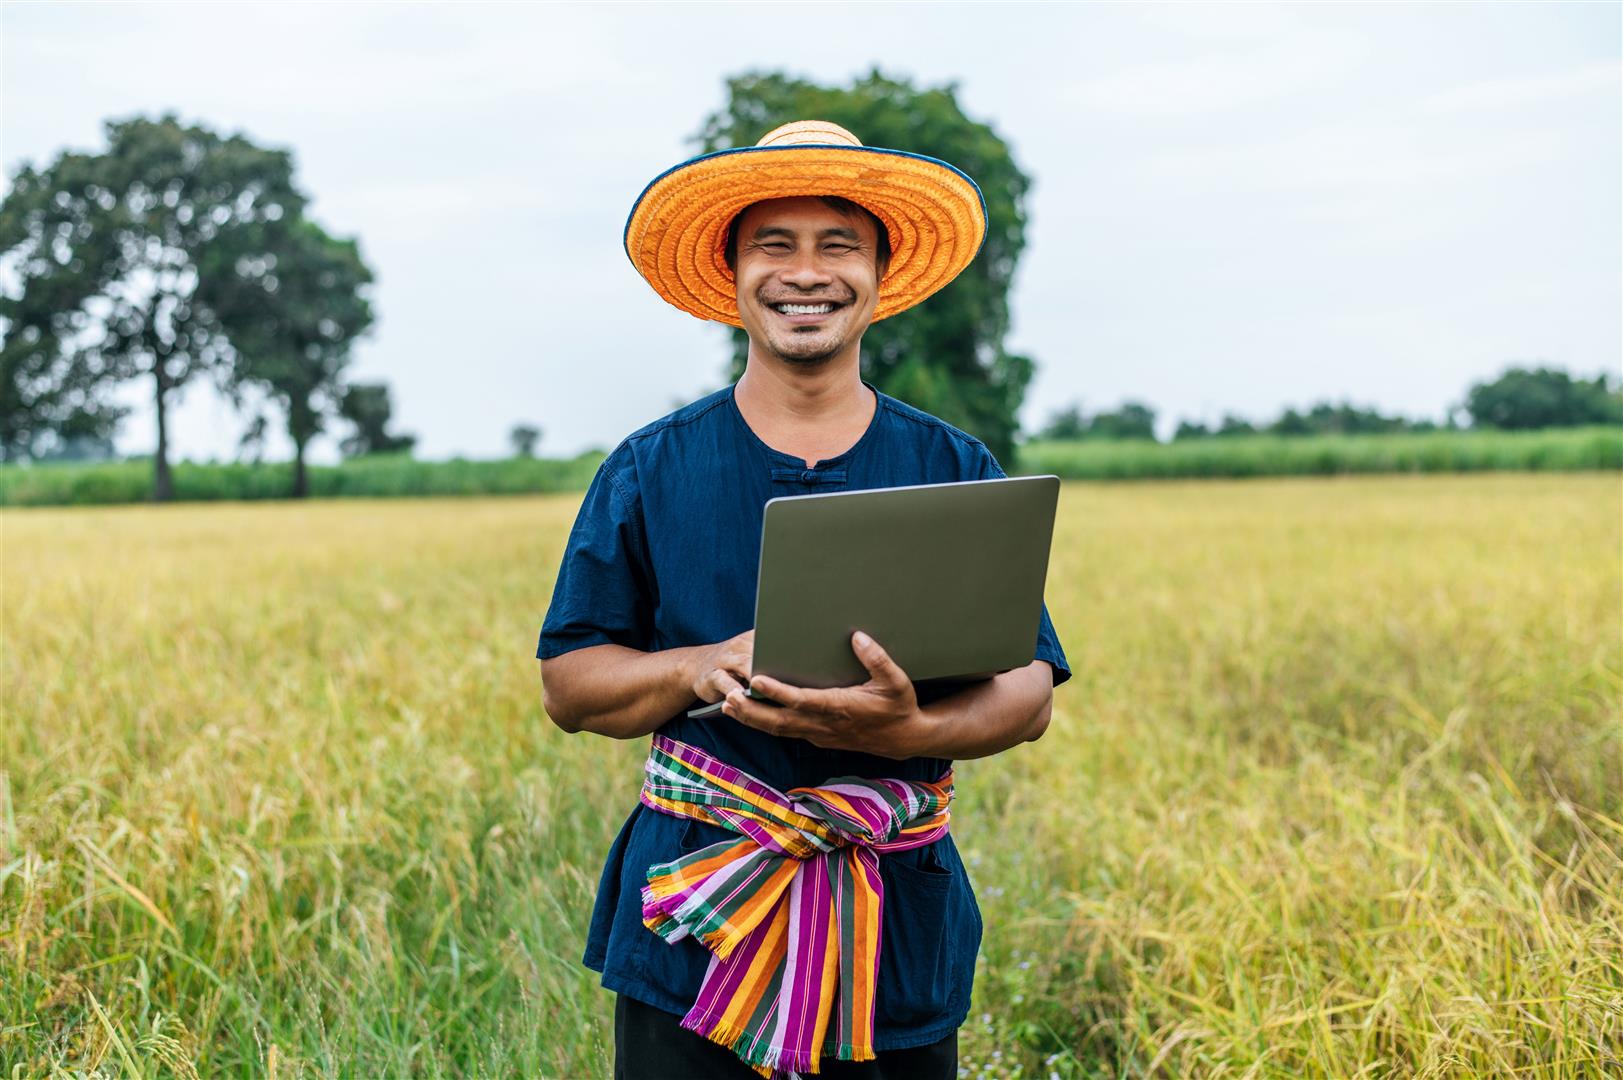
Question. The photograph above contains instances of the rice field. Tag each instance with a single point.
(1337, 790)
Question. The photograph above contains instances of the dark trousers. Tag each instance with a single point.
(652, 1044)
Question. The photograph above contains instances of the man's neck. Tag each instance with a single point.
(814, 413)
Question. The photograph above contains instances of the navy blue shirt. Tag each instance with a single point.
(663, 555)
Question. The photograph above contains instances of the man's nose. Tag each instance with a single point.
(806, 271)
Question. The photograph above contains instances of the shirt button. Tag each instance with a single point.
(808, 476)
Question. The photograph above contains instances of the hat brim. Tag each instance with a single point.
(934, 213)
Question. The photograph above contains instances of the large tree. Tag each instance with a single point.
(947, 355)
(294, 314)
(1544, 397)
(109, 248)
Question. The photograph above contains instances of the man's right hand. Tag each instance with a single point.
(723, 667)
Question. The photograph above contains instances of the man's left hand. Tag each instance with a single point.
(879, 717)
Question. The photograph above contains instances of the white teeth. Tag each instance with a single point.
(805, 309)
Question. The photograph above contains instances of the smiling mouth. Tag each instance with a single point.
(793, 310)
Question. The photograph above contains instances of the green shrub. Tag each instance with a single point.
(375, 476)
(1556, 449)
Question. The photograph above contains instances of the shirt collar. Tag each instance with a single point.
(789, 467)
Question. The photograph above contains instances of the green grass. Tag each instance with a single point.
(1335, 791)
(382, 476)
(1556, 449)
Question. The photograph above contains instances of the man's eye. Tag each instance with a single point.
(778, 248)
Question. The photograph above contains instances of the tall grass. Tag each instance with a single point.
(380, 475)
(1556, 449)
(1335, 791)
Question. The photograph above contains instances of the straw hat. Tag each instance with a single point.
(934, 213)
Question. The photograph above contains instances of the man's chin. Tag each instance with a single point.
(804, 353)
(809, 359)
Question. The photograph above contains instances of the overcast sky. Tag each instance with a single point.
(1235, 207)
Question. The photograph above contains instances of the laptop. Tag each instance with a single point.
(948, 578)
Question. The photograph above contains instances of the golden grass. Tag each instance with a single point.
(1335, 791)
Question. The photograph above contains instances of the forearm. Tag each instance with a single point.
(988, 717)
(615, 691)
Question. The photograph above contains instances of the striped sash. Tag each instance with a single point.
(791, 909)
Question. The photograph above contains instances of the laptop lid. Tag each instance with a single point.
(948, 578)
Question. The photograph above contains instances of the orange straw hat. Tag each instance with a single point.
(934, 213)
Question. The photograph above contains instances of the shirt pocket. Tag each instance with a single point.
(918, 982)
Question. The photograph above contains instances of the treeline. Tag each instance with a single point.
(1518, 400)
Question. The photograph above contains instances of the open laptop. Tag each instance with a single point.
(948, 578)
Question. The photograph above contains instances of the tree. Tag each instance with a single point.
(1191, 429)
(1290, 422)
(523, 438)
(49, 395)
(49, 398)
(1232, 425)
(1066, 424)
(294, 315)
(367, 406)
(1544, 397)
(1132, 421)
(947, 355)
(110, 249)
(1343, 419)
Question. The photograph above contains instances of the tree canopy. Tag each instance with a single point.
(1133, 420)
(947, 355)
(173, 252)
(368, 407)
(294, 314)
(110, 249)
(1544, 397)
(523, 439)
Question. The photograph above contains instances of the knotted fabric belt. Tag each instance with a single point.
(791, 909)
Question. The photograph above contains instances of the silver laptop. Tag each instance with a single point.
(948, 578)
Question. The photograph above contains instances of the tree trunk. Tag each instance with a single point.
(163, 487)
(301, 481)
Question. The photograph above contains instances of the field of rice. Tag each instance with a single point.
(1337, 790)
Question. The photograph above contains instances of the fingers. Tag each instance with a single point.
(771, 719)
(739, 655)
(717, 685)
(741, 707)
(782, 693)
(881, 668)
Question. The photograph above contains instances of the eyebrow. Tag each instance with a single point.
(838, 231)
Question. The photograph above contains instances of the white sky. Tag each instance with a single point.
(1236, 207)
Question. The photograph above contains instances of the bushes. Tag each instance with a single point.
(398, 476)
(380, 476)
(1558, 449)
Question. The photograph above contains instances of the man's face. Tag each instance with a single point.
(807, 279)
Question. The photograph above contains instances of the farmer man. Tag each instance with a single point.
(748, 921)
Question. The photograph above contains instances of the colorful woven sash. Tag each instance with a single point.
(791, 909)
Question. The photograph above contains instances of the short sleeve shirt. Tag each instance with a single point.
(663, 555)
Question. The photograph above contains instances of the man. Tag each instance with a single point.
(748, 924)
